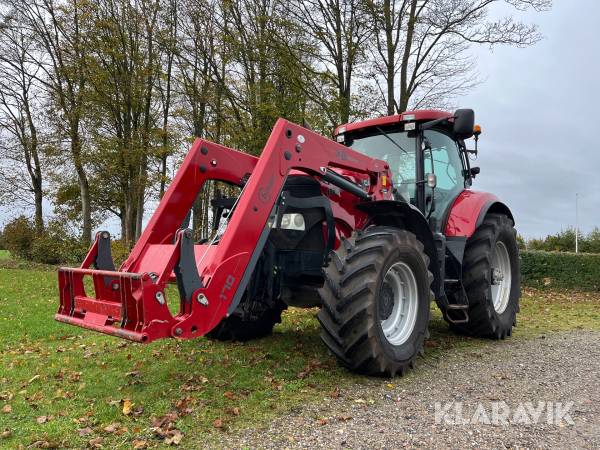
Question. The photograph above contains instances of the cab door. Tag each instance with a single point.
(445, 162)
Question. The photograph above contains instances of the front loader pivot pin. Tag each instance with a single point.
(201, 298)
(160, 297)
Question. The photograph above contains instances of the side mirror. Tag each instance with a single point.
(464, 121)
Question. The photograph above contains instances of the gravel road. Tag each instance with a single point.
(398, 413)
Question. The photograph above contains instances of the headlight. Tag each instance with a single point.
(292, 221)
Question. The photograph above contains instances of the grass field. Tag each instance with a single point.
(66, 387)
(4, 254)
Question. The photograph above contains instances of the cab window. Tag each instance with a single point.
(444, 160)
(398, 150)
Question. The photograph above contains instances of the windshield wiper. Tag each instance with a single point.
(391, 140)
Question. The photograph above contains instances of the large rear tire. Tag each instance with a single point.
(375, 301)
(492, 279)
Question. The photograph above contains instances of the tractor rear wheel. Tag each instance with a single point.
(492, 279)
(251, 320)
(375, 301)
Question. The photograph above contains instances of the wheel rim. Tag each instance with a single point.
(399, 301)
(501, 277)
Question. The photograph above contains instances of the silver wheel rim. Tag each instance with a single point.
(402, 284)
(501, 277)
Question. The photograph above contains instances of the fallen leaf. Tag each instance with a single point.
(95, 443)
(33, 379)
(139, 444)
(304, 373)
(112, 427)
(230, 395)
(164, 421)
(233, 411)
(5, 434)
(218, 423)
(42, 419)
(344, 418)
(6, 409)
(85, 431)
(75, 376)
(175, 437)
(183, 405)
(127, 405)
(133, 373)
(41, 444)
(322, 422)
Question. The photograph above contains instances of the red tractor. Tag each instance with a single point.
(370, 229)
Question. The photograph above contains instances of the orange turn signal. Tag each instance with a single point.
(477, 130)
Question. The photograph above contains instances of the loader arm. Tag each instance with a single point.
(130, 302)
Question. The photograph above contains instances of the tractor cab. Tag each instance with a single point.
(425, 151)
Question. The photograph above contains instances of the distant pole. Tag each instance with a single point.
(576, 222)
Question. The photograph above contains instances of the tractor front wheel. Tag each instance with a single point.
(375, 301)
(251, 320)
(491, 278)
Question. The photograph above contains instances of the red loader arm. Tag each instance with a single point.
(130, 302)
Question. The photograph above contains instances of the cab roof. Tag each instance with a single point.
(417, 115)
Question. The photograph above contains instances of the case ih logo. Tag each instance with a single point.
(344, 156)
(227, 287)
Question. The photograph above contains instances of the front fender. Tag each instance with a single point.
(468, 211)
(406, 216)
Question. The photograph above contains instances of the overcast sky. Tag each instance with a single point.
(539, 108)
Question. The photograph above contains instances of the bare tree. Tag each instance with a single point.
(57, 31)
(424, 45)
(19, 100)
(122, 61)
(340, 29)
(167, 41)
(388, 18)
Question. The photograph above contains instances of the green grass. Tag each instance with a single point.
(79, 380)
(4, 254)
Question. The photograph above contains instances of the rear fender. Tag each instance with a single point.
(406, 216)
(466, 214)
(469, 210)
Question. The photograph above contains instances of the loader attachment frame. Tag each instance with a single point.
(131, 302)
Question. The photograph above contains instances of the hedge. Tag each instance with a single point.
(562, 270)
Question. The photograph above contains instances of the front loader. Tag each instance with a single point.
(370, 228)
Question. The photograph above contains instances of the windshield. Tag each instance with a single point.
(398, 150)
(401, 161)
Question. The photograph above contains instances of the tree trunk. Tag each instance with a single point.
(391, 57)
(35, 171)
(84, 187)
(410, 31)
